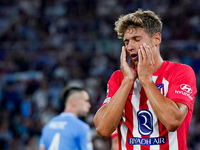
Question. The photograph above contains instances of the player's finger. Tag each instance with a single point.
(143, 53)
(123, 55)
(152, 54)
(140, 56)
(149, 54)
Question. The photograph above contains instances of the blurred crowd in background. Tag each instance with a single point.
(48, 44)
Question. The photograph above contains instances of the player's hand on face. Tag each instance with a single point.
(128, 71)
(146, 65)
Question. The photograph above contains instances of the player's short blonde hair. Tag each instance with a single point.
(148, 20)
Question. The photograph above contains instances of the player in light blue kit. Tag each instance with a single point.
(66, 131)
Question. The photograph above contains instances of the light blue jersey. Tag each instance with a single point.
(66, 132)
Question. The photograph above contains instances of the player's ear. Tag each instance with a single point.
(73, 101)
(157, 39)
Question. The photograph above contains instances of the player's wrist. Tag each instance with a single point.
(145, 80)
(129, 80)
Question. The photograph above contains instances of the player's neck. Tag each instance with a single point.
(71, 110)
(158, 62)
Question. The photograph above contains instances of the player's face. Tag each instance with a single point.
(133, 39)
(84, 104)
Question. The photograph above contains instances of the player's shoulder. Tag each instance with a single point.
(46, 126)
(71, 118)
(58, 117)
(117, 75)
(116, 78)
(179, 67)
(176, 64)
(82, 124)
(52, 119)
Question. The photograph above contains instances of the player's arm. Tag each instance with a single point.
(108, 116)
(171, 114)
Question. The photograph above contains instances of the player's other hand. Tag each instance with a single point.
(146, 65)
(129, 72)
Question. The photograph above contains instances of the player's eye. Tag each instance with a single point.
(137, 39)
(126, 43)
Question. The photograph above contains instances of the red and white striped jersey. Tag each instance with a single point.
(139, 128)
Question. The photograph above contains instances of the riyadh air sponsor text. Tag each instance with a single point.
(147, 141)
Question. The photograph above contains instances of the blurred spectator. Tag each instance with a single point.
(10, 98)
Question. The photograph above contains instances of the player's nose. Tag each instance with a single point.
(131, 46)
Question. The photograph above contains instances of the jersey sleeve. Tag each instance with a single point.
(183, 86)
(85, 138)
(113, 85)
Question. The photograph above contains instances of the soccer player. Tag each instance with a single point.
(150, 100)
(66, 131)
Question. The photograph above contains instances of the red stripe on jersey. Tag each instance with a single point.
(162, 130)
(182, 132)
(119, 136)
(129, 120)
(163, 133)
(143, 105)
